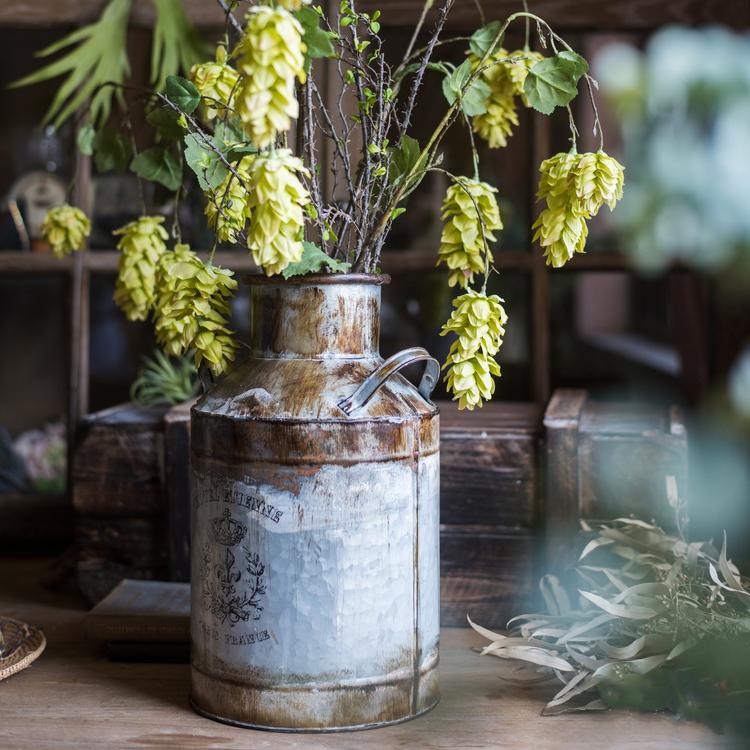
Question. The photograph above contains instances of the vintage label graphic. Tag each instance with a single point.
(232, 574)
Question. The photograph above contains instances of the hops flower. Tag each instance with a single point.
(462, 247)
(496, 124)
(226, 207)
(270, 56)
(599, 179)
(275, 202)
(479, 322)
(65, 229)
(193, 309)
(574, 186)
(142, 245)
(216, 82)
(522, 62)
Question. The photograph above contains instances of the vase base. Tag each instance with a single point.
(340, 709)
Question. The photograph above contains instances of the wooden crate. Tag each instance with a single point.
(608, 460)
(131, 495)
(489, 511)
(131, 491)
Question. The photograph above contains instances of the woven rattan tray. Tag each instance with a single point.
(20, 645)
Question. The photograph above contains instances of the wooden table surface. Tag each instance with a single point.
(72, 697)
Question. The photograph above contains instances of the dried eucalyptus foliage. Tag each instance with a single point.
(656, 623)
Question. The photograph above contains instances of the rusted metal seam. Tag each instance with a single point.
(397, 675)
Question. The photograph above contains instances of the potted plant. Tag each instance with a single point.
(315, 465)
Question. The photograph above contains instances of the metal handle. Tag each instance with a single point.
(391, 366)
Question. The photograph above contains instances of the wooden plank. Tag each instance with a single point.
(489, 573)
(540, 324)
(563, 14)
(488, 465)
(177, 487)
(118, 462)
(110, 549)
(14, 262)
(561, 422)
(576, 14)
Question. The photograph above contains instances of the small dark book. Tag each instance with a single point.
(142, 611)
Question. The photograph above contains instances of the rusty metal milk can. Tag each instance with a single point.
(315, 539)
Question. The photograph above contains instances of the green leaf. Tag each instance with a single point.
(158, 164)
(553, 82)
(481, 40)
(404, 157)
(182, 93)
(111, 151)
(318, 41)
(166, 122)
(313, 259)
(474, 97)
(85, 139)
(208, 167)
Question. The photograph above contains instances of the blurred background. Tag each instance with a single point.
(655, 315)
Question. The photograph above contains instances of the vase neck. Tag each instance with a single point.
(315, 319)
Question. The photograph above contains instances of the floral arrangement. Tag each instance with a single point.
(654, 622)
(248, 124)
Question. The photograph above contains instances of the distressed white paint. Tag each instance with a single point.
(341, 602)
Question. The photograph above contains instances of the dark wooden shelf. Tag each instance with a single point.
(393, 261)
(562, 14)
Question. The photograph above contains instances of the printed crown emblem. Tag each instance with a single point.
(227, 531)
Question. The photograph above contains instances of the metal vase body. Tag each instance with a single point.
(315, 533)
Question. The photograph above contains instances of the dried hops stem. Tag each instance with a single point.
(65, 229)
(471, 215)
(270, 56)
(479, 322)
(141, 246)
(193, 309)
(574, 187)
(216, 83)
(276, 201)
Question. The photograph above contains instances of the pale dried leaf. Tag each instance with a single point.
(631, 612)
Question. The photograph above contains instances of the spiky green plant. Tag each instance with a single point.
(165, 381)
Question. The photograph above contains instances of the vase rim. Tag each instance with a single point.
(315, 279)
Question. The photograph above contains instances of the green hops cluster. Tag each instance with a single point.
(65, 229)
(469, 206)
(599, 180)
(574, 186)
(505, 74)
(141, 246)
(520, 63)
(479, 322)
(276, 201)
(270, 56)
(496, 124)
(193, 309)
(226, 207)
(216, 81)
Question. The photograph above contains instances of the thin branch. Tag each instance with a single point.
(236, 25)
